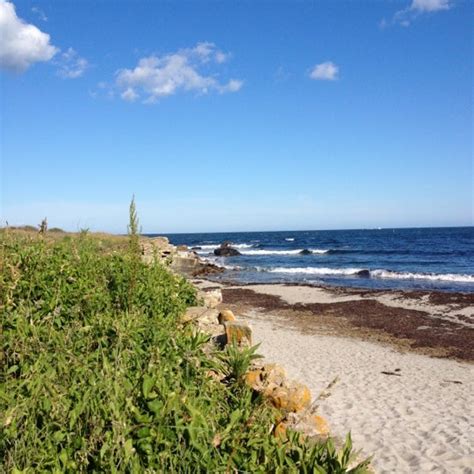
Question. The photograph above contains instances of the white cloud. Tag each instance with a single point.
(40, 13)
(71, 65)
(221, 57)
(156, 77)
(430, 5)
(129, 95)
(233, 85)
(22, 44)
(405, 16)
(326, 71)
(207, 51)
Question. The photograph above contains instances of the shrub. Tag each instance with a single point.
(97, 375)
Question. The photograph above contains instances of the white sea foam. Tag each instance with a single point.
(422, 276)
(270, 252)
(388, 274)
(281, 252)
(232, 267)
(290, 239)
(317, 271)
(215, 246)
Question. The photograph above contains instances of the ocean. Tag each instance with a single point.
(421, 258)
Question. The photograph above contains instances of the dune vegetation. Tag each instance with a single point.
(98, 374)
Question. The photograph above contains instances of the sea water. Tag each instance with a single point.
(422, 258)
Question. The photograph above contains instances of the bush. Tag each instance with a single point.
(97, 375)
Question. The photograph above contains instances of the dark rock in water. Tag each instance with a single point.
(196, 248)
(226, 250)
(207, 269)
(306, 252)
(364, 274)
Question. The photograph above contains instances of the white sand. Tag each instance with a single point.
(419, 422)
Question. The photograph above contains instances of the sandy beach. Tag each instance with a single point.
(401, 362)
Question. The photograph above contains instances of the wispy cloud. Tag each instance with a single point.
(22, 44)
(39, 13)
(406, 16)
(71, 65)
(186, 70)
(281, 75)
(327, 71)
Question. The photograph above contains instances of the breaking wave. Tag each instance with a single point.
(283, 252)
(317, 271)
(388, 274)
(212, 247)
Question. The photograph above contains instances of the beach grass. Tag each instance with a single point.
(98, 374)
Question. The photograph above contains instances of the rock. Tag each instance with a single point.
(190, 265)
(266, 378)
(199, 313)
(159, 241)
(274, 374)
(209, 317)
(306, 252)
(211, 298)
(309, 424)
(185, 264)
(196, 248)
(254, 380)
(207, 269)
(320, 425)
(293, 397)
(182, 248)
(225, 315)
(239, 332)
(226, 250)
(156, 248)
(363, 274)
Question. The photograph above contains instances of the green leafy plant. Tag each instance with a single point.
(97, 374)
(236, 361)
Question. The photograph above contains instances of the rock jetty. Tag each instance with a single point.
(179, 259)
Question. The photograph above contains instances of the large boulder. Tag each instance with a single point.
(211, 298)
(226, 315)
(226, 250)
(266, 378)
(291, 397)
(238, 332)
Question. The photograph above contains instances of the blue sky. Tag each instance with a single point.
(227, 116)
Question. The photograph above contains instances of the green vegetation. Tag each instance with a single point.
(98, 375)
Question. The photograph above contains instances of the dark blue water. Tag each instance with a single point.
(437, 258)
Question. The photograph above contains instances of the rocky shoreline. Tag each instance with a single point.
(180, 259)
